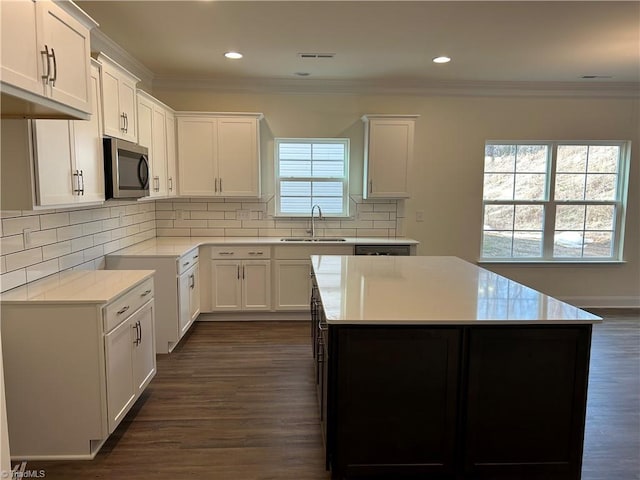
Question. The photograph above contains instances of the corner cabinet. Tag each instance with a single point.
(45, 60)
(97, 356)
(218, 154)
(54, 162)
(177, 284)
(388, 152)
(118, 100)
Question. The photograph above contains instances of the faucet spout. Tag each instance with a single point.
(313, 223)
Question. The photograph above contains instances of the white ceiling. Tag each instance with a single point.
(378, 41)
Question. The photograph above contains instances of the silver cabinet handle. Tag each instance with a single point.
(124, 309)
(135, 342)
(76, 174)
(195, 256)
(221, 185)
(256, 253)
(193, 281)
(185, 264)
(122, 129)
(238, 272)
(82, 179)
(226, 253)
(171, 184)
(243, 272)
(48, 56)
(55, 68)
(215, 182)
(139, 330)
(370, 186)
(145, 293)
(126, 123)
(156, 181)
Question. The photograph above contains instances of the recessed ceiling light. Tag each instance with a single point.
(233, 55)
(442, 59)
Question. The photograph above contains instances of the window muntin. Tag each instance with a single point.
(311, 171)
(553, 200)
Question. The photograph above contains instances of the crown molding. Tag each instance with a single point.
(400, 87)
(101, 43)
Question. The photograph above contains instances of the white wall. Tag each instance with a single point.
(447, 173)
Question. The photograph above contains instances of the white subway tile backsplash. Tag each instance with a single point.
(54, 220)
(67, 233)
(93, 253)
(13, 279)
(56, 250)
(207, 232)
(80, 216)
(43, 237)
(11, 244)
(3, 265)
(39, 270)
(224, 224)
(69, 261)
(91, 227)
(13, 226)
(110, 224)
(190, 223)
(81, 243)
(23, 259)
(210, 215)
(241, 232)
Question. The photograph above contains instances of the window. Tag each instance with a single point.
(554, 201)
(312, 171)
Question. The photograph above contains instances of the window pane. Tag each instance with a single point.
(527, 244)
(567, 244)
(600, 217)
(601, 186)
(603, 158)
(295, 205)
(532, 158)
(499, 158)
(295, 189)
(572, 158)
(295, 168)
(530, 186)
(294, 151)
(569, 186)
(498, 186)
(329, 206)
(529, 217)
(328, 151)
(570, 217)
(328, 169)
(498, 217)
(327, 189)
(598, 244)
(496, 244)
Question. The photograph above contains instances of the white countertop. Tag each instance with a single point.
(178, 246)
(431, 290)
(78, 286)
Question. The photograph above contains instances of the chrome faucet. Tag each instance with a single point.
(313, 224)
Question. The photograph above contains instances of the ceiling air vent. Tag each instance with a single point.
(316, 55)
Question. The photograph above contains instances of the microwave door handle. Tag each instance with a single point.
(143, 172)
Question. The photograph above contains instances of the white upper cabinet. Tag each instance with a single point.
(118, 100)
(53, 162)
(219, 155)
(172, 165)
(388, 155)
(45, 60)
(153, 134)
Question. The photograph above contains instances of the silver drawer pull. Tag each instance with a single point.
(124, 309)
(185, 264)
(226, 253)
(145, 293)
(195, 256)
(256, 253)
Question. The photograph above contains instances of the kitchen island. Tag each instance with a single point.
(433, 368)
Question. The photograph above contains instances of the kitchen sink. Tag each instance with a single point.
(315, 239)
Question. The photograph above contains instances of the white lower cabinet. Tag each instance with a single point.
(292, 273)
(240, 279)
(73, 369)
(177, 283)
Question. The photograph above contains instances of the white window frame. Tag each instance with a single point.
(344, 179)
(550, 205)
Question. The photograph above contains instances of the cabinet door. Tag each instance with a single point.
(127, 101)
(159, 148)
(194, 293)
(119, 345)
(226, 285)
(256, 284)
(172, 183)
(69, 43)
(144, 351)
(196, 156)
(145, 124)
(112, 116)
(20, 53)
(292, 284)
(88, 147)
(53, 152)
(238, 157)
(390, 152)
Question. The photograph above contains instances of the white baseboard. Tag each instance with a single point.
(603, 302)
(253, 316)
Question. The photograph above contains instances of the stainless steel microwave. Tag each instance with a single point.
(126, 168)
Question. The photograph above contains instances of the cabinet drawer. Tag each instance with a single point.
(241, 252)
(299, 252)
(187, 261)
(118, 310)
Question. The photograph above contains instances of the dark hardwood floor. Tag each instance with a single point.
(236, 401)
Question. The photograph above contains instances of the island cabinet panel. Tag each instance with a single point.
(396, 402)
(525, 404)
